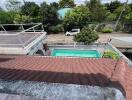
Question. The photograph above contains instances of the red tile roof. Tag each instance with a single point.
(84, 71)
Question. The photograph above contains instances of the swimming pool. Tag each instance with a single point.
(76, 53)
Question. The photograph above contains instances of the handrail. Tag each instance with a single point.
(20, 24)
(29, 29)
(24, 31)
(3, 28)
(30, 40)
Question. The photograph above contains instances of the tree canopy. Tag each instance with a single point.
(49, 13)
(87, 36)
(30, 9)
(7, 17)
(113, 6)
(1, 9)
(97, 11)
(79, 16)
(93, 11)
(66, 3)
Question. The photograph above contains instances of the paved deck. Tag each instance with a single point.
(20, 40)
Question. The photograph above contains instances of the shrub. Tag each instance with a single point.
(111, 54)
(119, 27)
(92, 26)
(107, 30)
(7, 17)
(56, 29)
(87, 36)
(22, 19)
(100, 27)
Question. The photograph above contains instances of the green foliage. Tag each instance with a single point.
(30, 9)
(107, 30)
(92, 26)
(92, 12)
(56, 29)
(119, 27)
(113, 6)
(49, 14)
(1, 9)
(111, 17)
(93, 3)
(21, 19)
(130, 5)
(66, 3)
(79, 16)
(111, 54)
(7, 17)
(87, 36)
(126, 12)
(55, 5)
(128, 17)
(100, 27)
(97, 11)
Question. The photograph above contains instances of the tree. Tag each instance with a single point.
(113, 6)
(93, 3)
(48, 14)
(87, 36)
(125, 12)
(7, 17)
(1, 9)
(130, 5)
(66, 3)
(30, 9)
(55, 5)
(79, 16)
(13, 5)
(128, 17)
(21, 19)
(98, 11)
(111, 17)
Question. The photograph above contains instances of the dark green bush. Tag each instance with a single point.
(92, 26)
(56, 29)
(111, 54)
(100, 27)
(7, 17)
(107, 30)
(119, 27)
(87, 36)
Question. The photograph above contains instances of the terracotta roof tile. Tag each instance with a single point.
(84, 71)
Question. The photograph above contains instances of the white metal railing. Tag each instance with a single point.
(30, 40)
(29, 29)
(19, 34)
(128, 61)
(76, 43)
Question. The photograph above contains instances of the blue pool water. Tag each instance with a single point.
(76, 53)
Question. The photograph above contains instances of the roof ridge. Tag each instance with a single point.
(119, 70)
(118, 77)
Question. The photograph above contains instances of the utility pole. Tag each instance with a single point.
(124, 8)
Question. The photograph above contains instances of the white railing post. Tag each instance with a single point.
(3, 28)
